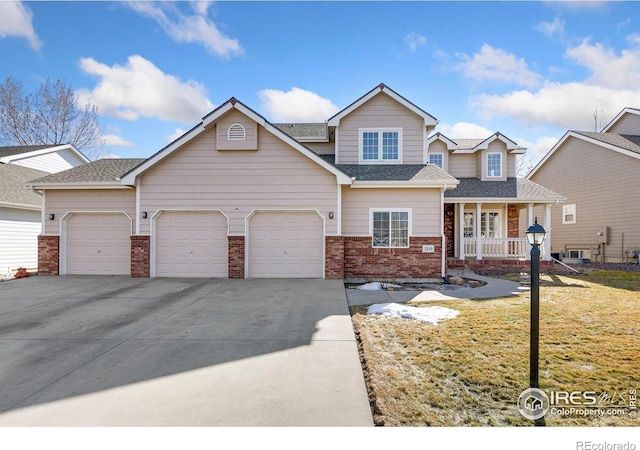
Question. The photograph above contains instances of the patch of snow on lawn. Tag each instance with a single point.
(429, 314)
(377, 286)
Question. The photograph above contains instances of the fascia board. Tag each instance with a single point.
(103, 185)
(503, 200)
(446, 184)
(44, 151)
(20, 206)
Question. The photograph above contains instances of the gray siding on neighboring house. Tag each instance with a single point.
(627, 124)
(605, 187)
(381, 112)
(200, 177)
(51, 162)
(19, 230)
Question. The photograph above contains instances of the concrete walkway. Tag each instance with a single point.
(495, 287)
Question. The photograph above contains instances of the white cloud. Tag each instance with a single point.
(110, 156)
(552, 28)
(190, 28)
(297, 105)
(16, 21)
(139, 88)
(465, 130)
(414, 40)
(608, 69)
(536, 150)
(613, 83)
(495, 64)
(176, 134)
(113, 140)
(634, 39)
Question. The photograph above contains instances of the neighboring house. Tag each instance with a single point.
(599, 173)
(20, 217)
(366, 194)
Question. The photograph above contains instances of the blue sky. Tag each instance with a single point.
(530, 70)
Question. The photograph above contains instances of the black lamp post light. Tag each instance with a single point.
(533, 402)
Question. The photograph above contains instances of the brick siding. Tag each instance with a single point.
(513, 222)
(449, 227)
(140, 256)
(334, 258)
(48, 255)
(236, 257)
(361, 260)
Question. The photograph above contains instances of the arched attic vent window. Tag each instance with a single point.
(236, 133)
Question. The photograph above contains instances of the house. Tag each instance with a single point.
(20, 217)
(366, 194)
(599, 173)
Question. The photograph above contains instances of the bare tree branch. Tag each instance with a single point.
(49, 116)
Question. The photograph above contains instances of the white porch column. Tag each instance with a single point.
(461, 230)
(546, 245)
(529, 223)
(478, 231)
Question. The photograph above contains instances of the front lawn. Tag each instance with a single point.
(470, 370)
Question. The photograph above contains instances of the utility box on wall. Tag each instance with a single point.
(603, 235)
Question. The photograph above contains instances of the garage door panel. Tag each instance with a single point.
(191, 244)
(98, 244)
(286, 245)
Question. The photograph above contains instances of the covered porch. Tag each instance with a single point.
(477, 231)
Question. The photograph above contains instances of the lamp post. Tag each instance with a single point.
(535, 236)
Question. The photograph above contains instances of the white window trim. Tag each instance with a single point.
(409, 212)
(501, 164)
(237, 126)
(379, 160)
(437, 153)
(566, 210)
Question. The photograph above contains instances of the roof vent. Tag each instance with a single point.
(236, 133)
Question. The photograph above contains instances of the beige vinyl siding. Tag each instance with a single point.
(59, 202)
(382, 112)
(511, 165)
(440, 147)
(321, 148)
(605, 187)
(424, 203)
(627, 124)
(463, 165)
(276, 176)
(19, 230)
(250, 127)
(51, 162)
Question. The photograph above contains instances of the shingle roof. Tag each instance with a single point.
(627, 142)
(396, 172)
(304, 130)
(100, 171)
(13, 188)
(18, 150)
(512, 188)
(467, 144)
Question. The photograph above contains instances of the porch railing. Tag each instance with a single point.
(498, 247)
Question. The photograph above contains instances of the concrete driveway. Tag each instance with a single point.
(116, 351)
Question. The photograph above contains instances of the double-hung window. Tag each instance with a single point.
(569, 213)
(436, 159)
(390, 228)
(381, 146)
(494, 165)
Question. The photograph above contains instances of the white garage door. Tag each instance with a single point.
(286, 245)
(98, 244)
(191, 244)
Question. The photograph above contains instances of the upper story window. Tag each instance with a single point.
(381, 145)
(236, 132)
(437, 159)
(569, 213)
(494, 164)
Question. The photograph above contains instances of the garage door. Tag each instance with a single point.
(191, 244)
(98, 244)
(286, 245)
